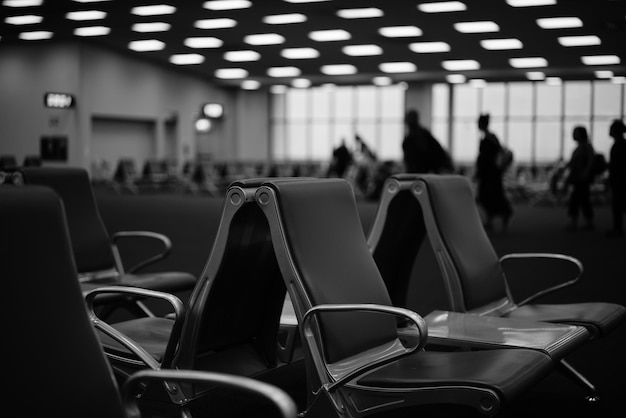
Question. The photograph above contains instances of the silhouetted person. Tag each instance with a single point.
(489, 177)
(580, 177)
(422, 152)
(617, 177)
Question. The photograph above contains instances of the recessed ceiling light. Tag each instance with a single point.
(553, 81)
(22, 3)
(146, 45)
(250, 85)
(203, 42)
(89, 1)
(530, 3)
(530, 62)
(329, 35)
(242, 56)
(92, 31)
(501, 44)
(227, 4)
(460, 65)
(264, 39)
(604, 74)
(284, 19)
(362, 50)
(400, 31)
(186, 59)
(382, 81)
(304, 1)
(23, 20)
(151, 27)
(559, 22)
(600, 60)
(154, 10)
(364, 13)
(338, 69)
(477, 27)
(35, 35)
(455, 78)
(231, 73)
(278, 89)
(397, 67)
(299, 53)
(283, 71)
(478, 83)
(86, 15)
(222, 23)
(535, 75)
(429, 47)
(442, 7)
(301, 83)
(579, 40)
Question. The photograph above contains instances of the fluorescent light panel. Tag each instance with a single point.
(154, 10)
(186, 59)
(221, 23)
(86, 15)
(330, 35)
(559, 22)
(501, 44)
(338, 69)
(227, 4)
(92, 31)
(301, 83)
(397, 67)
(382, 81)
(264, 39)
(35, 35)
(531, 62)
(604, 74)
(23, 20)
(151, 27)
(299, 53)
(477, 27)
(588, 40)
(250, 85)
(22, 3)
(283, 71)
(400, 31)
(460, 65)
(530, 3)
(284, 19)
(364, 13)
(362, 50)
(429, 47)
(455, 78)
(242, 56)
(535, 75)
(146, 45)
(231, 73)
(442, 7)
(203, 42)
(600, 60)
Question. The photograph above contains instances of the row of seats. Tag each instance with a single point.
(291, 280)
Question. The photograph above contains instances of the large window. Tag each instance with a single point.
(307, 124)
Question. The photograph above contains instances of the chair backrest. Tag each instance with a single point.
(90, 239)
(234, 311)
(470, 265)
(55, 363)
(324, 259)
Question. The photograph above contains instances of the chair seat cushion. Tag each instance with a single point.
(508, 371)
(152, 333)
(170, 281)
(598, 317)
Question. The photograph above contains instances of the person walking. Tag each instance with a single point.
(617, 177)
(579, 179)
(422, 153)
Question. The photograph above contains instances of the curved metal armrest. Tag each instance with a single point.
(554, 256)
(167, 247)
(350, 369)
(130, 344)
(284, 404)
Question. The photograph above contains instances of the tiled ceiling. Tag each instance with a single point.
(597, 30)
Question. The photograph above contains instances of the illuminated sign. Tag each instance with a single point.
(58, 100)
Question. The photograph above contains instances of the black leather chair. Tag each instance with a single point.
(96, 254)
(442, 207)
(356, 364)
(232, 320)
(55, 365)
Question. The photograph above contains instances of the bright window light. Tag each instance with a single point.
(92, 31)
(203, 42)
(222, 23)
(155, 10)
(530, 3)
(283, 71)
(478, 83)
(227, 4)
(554, 81)
(23, 20)
(501, 44)
(382, 81)
(362, 50)
(533, 62)
(151, 27)
(301, 83)
(250, 85)
(264, 39)
(146, 45)
(186, 59)
(442, 7)
(330, 35)
(455, 78)
(600, 60)
(477, 27)
(460, 65)
(22, 3)
(242, 56)
(338, 69)
(400, 31)
(618, 80)
(284, 19)
(604, 74)
(86, 15)
(299, 53)
(429, 47)
(397, 67)
(35, 35)
(535, 75)
(364, 13)
(559, 22)
(579, 40)
(231, 73)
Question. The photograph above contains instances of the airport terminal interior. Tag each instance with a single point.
(202, 202)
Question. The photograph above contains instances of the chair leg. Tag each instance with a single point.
(574, 374)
